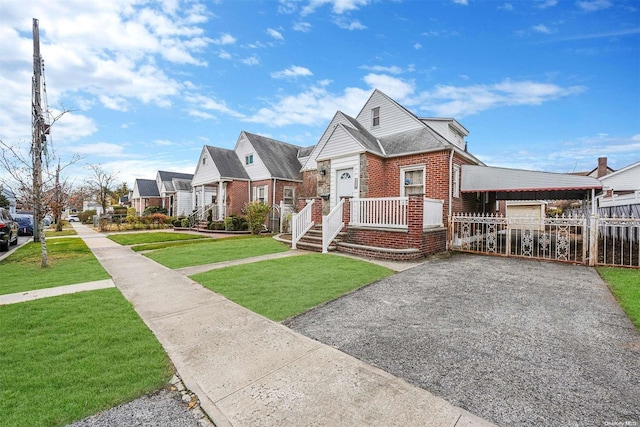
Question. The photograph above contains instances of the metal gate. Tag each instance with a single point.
(575, 239)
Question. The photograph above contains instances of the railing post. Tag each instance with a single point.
(415, 213)
(593, 240)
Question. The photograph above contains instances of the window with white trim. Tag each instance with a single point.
(412, 180)
(248, 159)
(260, 194)
(288, 195)
(456, 181)
(375, 116)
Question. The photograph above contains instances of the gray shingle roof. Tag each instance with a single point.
(365, 139)
(413, 141)
(167, 177)
(227, 162)
(180, 184)
(147, 187)
(280, 158)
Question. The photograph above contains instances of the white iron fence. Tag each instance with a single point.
(577, 239)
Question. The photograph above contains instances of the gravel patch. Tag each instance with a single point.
(174, 406)
(517, 342)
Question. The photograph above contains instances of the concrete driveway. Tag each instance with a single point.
(517, 342)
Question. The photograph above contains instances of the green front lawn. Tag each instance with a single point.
(65, 358)
(51, 232)
(625, 285)
(70, 261)
(152, 237)
(217, 250)
(285, 287)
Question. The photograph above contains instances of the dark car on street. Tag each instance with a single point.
(25, 224)
(8, 230)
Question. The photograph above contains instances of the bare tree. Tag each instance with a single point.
(101, 184)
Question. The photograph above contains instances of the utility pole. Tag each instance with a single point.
(40, 129)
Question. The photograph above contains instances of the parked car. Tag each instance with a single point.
(8, 230)
(25, 224)
(73, 218)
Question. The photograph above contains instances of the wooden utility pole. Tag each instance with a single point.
(38, 141)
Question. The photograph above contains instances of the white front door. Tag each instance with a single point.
(344, 179)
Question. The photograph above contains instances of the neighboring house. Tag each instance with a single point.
(599, 171)
(220, 182)
(145, 193)
(257, 169)
(175, 191)
(621, 192)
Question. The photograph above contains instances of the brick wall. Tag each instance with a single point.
(237, 197)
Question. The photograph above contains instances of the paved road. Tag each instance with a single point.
(517, 342)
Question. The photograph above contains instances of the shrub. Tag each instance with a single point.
(184, 223)
(228, 223)
(132, 216)
(86, 216)
(150, 210)
(159, 219)
(257, 213)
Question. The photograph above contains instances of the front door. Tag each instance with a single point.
(344, 185)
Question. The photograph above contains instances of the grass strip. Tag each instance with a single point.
(51, 232)
(281, 288)
(70, 261)
(625, 285)
(69, 357)
(217, 250)
(152, 237)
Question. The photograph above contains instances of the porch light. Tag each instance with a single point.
(323, 171)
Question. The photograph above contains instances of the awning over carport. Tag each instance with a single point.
(520, 184)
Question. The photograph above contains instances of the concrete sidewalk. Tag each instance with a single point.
(250, 371)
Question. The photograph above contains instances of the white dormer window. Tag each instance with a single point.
(375, 116)
(248, 159)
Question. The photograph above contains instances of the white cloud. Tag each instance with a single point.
(507, 6)
(292, 72)
(541, 28)
(547, 3)
(337, 6)
(417, 46)
(594, 5)
(274, 34)
(303, 27)
(199, 103)
(396, 88)
(224, 39)
(351, 26)
(313, 107)
(97, 53)
(250, 60)
(100, 149)
(447, 100)
(393, 69)
(462, 2)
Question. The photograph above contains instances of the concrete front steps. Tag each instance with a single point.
(312, 241)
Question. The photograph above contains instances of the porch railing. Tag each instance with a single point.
(384, 212)
(301, 223)
(197, 215)
(432, 216)
(331, 225)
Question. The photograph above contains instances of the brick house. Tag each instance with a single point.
(399, 173)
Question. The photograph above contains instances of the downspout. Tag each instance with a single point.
(273, 190)
(450, 210)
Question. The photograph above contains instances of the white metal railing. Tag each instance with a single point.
(301, 223)
(387, 212)
(331, 225)
(432, 216)
(286, 213)
(197, 215)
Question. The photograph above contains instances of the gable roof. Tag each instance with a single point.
(280, 158)
(227, 163)
(413, 141)
(167, 177)
(147, 187)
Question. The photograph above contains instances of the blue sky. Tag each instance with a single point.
(544, 85)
